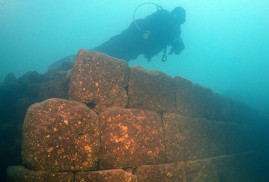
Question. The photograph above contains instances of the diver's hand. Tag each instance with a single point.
(177, 46)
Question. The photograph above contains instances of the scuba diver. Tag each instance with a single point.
(148, 36)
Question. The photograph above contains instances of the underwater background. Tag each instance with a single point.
(226, 45)
(227, 42)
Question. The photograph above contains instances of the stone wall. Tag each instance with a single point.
(16, 95)
(125, 123)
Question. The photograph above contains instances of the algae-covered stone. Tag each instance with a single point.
(60, 135)
(99, 80)
(55, 85)
(16, 95)
(189, 138)
(21, 174)
(130, 138)
(245, 167)
(114, 175)
(162, 172)
(152, 90)
(195, 100)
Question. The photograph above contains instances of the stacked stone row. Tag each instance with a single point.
(129, 124)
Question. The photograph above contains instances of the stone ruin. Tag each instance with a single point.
(128, 124)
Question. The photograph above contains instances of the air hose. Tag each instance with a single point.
(157, 6)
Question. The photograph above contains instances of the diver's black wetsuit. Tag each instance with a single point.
(147, 36)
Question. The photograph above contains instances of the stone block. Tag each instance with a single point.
(99, 81)
(162, 172)
(60, 135)
(114, 175)
(189, 138)
(151, 90)
(55, 85)
(21, 174)
(194, 100)
(130, 138)
(232, 168)
(197, 101)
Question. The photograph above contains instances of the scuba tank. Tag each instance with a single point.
(146, 34)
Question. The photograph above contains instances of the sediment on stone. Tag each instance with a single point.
(130, 138)
(60, 135)
(188, 138)
(113, 175)
(151, 90)
(162, 172)
(22, 174)
(245, 167)
(198, 101)
(99, 79)
(134, 121)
